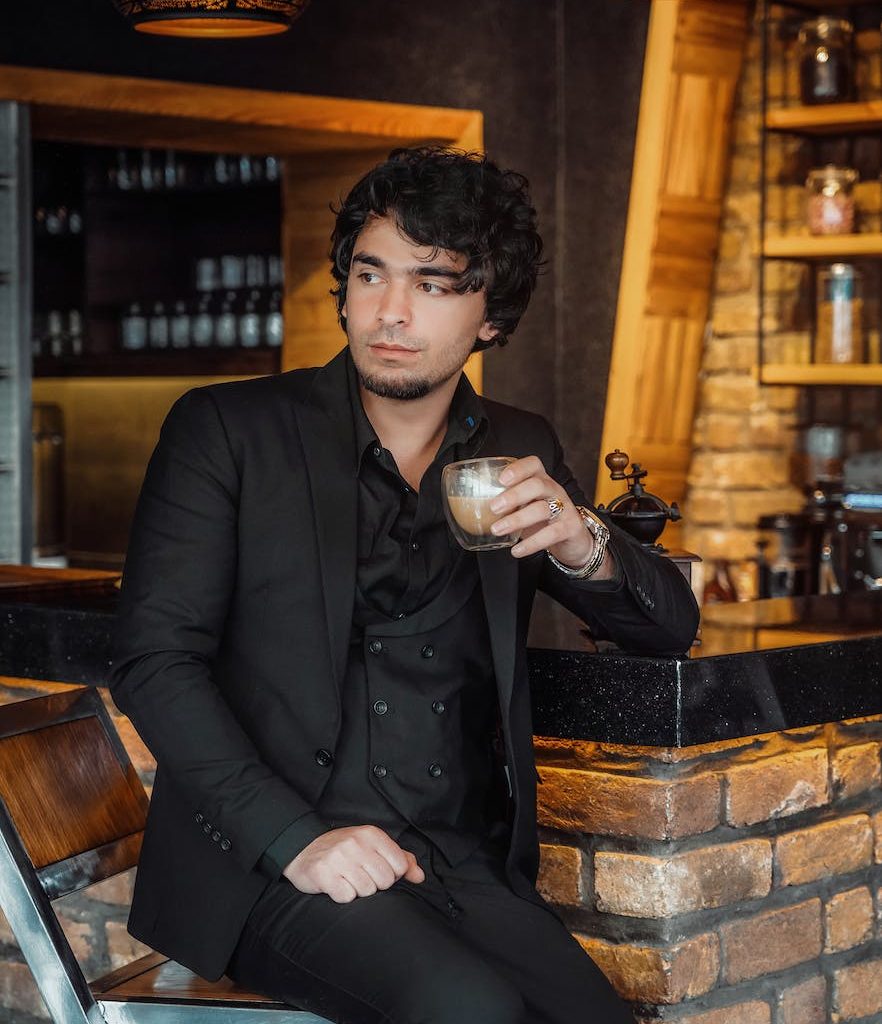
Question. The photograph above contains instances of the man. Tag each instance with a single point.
(335, 692)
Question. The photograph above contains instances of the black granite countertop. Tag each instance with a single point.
(763, 666)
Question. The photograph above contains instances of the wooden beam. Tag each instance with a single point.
(693, 60)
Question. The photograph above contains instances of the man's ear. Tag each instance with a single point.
(488, 331)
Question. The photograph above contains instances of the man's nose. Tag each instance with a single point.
(394, 305)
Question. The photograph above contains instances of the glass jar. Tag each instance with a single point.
(839, 335)
(826, 64)
(830, 203)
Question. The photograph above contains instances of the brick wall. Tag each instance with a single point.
(745, 461)
(737, 883)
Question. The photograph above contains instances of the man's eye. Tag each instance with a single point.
(368, 277)
(430, 288)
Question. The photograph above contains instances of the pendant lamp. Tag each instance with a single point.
(210, 19)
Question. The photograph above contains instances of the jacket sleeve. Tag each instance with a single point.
(179, 576)
(648, 607)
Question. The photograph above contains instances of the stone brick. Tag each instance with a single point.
(856, 769)
(657, 975)
(857, 990)
(726, 430)
(116, 890)
(707, 506)
(775, 787)
(848, 920)
(771, 941)
(18, 990)
(832, 848)
(729, 392)
(610, 804)
(656, 887)
(121, 946)
(735, 314)
(753, 1012)
(739, 469)
(560, 874)
(748, 506)
(805, 1003)
(877, 829)
(767, 429)
(79, 935)
(782, 398)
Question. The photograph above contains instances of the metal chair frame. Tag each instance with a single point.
(27, 892)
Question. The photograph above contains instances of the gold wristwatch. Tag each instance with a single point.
(600, 532)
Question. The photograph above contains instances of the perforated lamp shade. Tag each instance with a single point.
(210, 19)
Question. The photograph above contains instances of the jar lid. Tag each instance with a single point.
(843, 270)
(824, 28)
(831, 172)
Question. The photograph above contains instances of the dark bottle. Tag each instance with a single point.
(179, 325)
(157, 327)
(274, 327)
(250, 325)
(226, 322)
(826, 67)
(202, 322)
(719, 587)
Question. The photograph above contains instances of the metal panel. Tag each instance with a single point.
(166, 1013)
(15, 332)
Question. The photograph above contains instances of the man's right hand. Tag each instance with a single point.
(353, 861)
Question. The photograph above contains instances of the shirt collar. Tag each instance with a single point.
(466, 419)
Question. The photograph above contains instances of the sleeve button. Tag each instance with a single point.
(225, 845)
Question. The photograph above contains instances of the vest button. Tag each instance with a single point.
(200, 817)
(323, 757)
(375, 647)
(428, 651)
(379, 770)
(216, 836)
(225, 844)
(435, 770)
(438, 707)
(206, 828)
(381, 707)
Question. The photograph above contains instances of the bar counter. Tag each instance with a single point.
(710, 825)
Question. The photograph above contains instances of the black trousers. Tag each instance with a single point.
(458, 948)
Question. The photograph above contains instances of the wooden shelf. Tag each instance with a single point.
(184, 363)
(823, 247)
(859, 374)
(827, 118)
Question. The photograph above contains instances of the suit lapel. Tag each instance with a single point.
(328, 439)
(499, 584)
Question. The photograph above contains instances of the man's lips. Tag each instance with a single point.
(384, 349)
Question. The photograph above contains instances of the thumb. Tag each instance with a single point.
(414, 872)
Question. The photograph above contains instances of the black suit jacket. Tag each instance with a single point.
(233, 630)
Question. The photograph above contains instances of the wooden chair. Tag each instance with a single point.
(72, 812)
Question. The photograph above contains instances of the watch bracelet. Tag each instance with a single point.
(601, 537)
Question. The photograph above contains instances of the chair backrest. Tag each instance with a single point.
(72, 812)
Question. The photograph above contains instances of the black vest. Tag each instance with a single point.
(419, 715)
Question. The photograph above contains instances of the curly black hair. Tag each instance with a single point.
(458, 201)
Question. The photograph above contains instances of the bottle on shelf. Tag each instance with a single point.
(202, 322)
(157, 327)
(133, 329)
(826, 67)
(55, 336)
(226, 322)
(274, 328)
(250, 321)
(75, 332)
(180, 324)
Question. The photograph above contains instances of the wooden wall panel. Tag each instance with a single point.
(693, 59)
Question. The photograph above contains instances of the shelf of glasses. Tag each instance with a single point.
(819, 374)
(827, 118)
(823, 247)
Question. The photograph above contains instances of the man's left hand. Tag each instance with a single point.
(524, 507)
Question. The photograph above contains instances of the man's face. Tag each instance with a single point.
(409, 331)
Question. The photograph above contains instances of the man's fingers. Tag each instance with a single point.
(340, 890)
(414, 872)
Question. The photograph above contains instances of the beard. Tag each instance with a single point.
(396, 385)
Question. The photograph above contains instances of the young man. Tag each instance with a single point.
(335, 692)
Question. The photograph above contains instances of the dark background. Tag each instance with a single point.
(558, 82)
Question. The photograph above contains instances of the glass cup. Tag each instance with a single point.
(468, 488)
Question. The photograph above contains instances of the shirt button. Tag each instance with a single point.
(375, 647)
(378, 451)
(225, 844)
(381, 707)
(215, 837)
(323, 757)
(200, 817)
(438, 706)
(206, 828)
(415, 546)
(428, 651)
(435, 770)
(401, 615)
(379, 770)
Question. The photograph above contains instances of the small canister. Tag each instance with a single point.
(826, 64)
(829, 201)
(839, 335)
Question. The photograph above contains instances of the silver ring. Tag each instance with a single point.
(555, 507)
